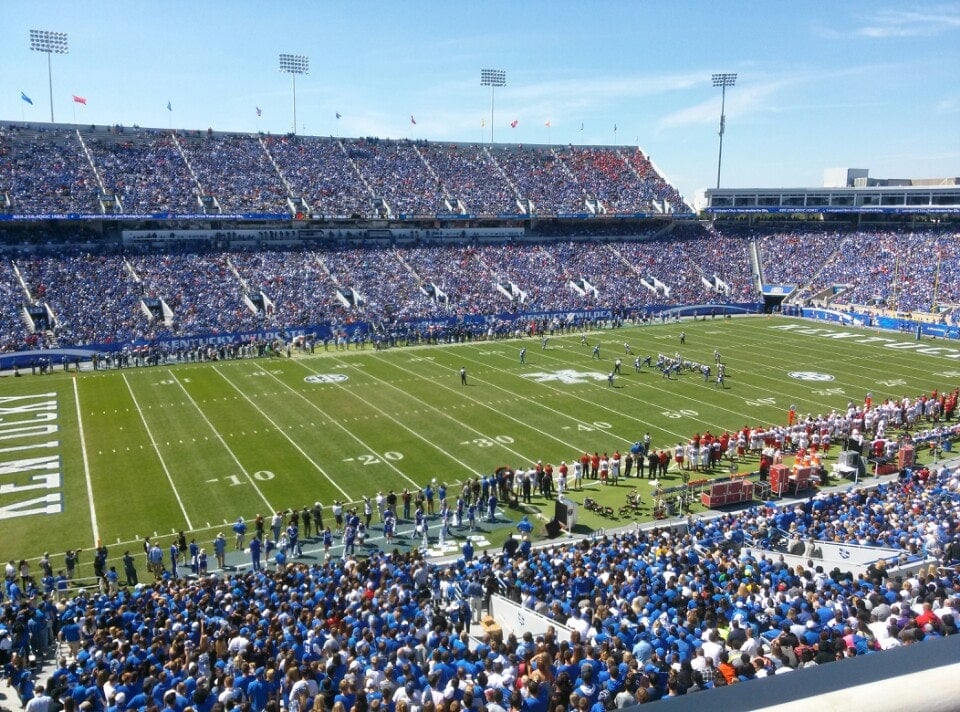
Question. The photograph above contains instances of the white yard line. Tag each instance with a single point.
(446, 415)
(280, 430)
(568, 394)
(223, 442)
(500, 413)
(156, 449)
(359, 441)
(86, 466)
(672, 394)
(386, 415)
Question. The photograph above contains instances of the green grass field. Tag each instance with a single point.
(122, 454)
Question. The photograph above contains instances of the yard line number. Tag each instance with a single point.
(489, 442)
(595, 425)
(675, 414)
(235, 480)
(374, 459)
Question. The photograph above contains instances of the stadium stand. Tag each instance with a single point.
(638, 615)
(116, 170)
(206, 290)
(145, 172)
(209, 291)
(650, 613)
(901, 269)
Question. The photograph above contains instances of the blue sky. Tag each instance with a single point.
(821, 84)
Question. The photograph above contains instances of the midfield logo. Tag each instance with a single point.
(326, 378)
(565, 376)
(810, 376)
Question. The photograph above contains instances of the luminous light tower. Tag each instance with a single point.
(49, 43)
(492, 78)
(723, 81)
(294, 64)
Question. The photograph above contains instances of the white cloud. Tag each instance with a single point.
(950, 105)
(911, 23)
(758, 97)
(592, 90)
(743, 101)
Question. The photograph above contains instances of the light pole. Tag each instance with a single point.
(50, 43)
(723, 81)
(294, 64)
(492, 78)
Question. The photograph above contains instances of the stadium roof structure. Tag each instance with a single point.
(892, 200)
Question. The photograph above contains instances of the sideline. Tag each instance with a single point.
(86, 465)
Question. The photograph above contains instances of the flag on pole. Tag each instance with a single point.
(482, 123)
(547, 124)
(581, 126)
(614, 127)
(413, 120)
(79, 100)
(26, 98)
(513, 124)
(169, 106)
(259, 113)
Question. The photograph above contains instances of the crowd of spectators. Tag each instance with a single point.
(150, 171)
(690, 265)
(202, 291)
(106, 298)
(904, 270)
(467, 173)
(651, 180)
(145, 172)
(652, 613)
(397, 174)
(319, 171)
(91, 296)
(45, 171)
(95, 297)
(13, 334)
(541, 177)
(237, 172)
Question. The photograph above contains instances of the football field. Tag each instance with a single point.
(122, 454)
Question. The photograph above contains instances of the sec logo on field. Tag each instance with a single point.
(810, 376)
(326, 378)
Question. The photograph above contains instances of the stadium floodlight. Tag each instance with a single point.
(49, 43)
(492, 78)
(294, 64)
(723, 81)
